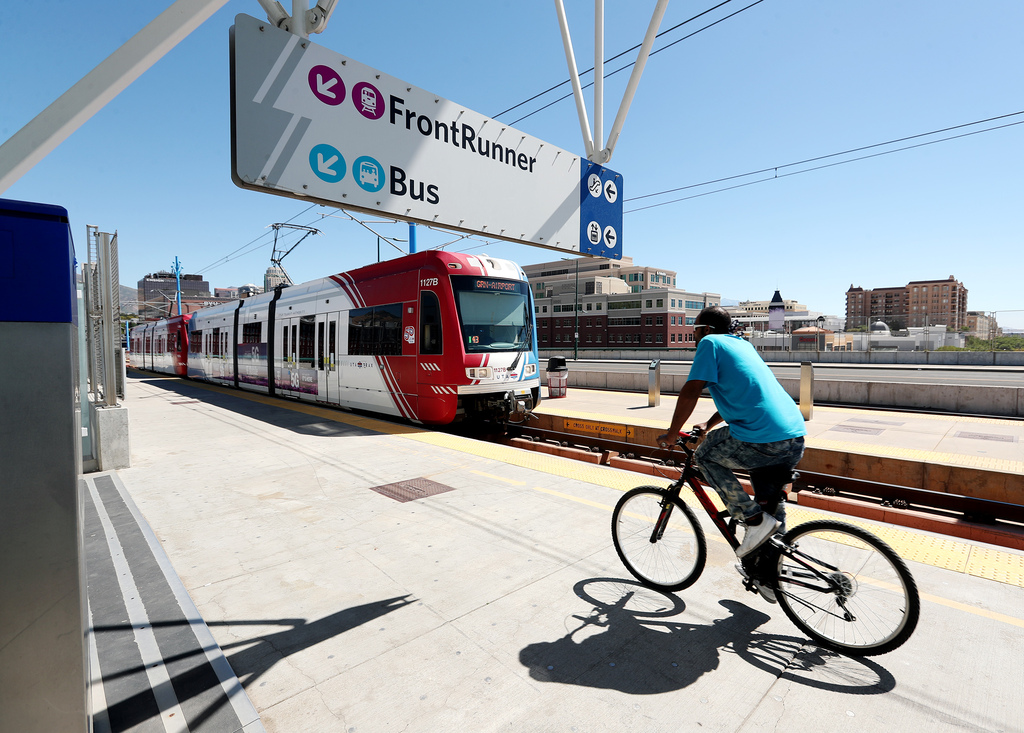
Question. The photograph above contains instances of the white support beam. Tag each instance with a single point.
(634, 81)
(598, 74)
(72, 109)
(574, 77)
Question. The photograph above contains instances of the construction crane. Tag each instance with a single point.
(280, 254)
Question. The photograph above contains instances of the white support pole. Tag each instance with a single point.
(634, 80)
(574, 77)
(598, 74)
(298, 21)
(71, 110)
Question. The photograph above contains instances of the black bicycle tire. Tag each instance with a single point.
(912, 598)
(698, 534)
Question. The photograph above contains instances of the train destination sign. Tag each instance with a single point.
(310, 123)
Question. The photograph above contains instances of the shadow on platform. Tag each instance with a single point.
(632, 641)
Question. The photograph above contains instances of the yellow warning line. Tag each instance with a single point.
(888, 451)
(979, 561)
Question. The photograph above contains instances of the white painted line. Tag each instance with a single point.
(240, 702)
(170, 711)
(100, 719)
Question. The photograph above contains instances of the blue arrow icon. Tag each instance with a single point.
(327, 162)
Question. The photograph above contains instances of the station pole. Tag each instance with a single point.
(412, 239)
(177, 275)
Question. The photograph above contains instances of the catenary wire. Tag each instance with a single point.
(844, 152)
(623, 68)
(807, 170)
(609, 60)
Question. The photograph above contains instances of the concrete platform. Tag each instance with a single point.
(500, 604)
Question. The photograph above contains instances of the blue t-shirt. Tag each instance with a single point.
(746, 393)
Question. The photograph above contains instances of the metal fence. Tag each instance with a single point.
(103, 318)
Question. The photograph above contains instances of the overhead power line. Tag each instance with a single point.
(613, 58)
(774, 170)
(629, 65)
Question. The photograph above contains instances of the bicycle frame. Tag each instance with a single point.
(690, 477)
(724, 522)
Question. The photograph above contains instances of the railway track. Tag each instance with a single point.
(632, 448)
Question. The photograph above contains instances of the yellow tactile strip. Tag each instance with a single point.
(979, 561)
(955, 459)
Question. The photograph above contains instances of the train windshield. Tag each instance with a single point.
(494, 314)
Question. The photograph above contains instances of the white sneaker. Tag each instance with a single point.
(757, 535)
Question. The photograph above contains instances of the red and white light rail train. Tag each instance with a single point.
(432, 337)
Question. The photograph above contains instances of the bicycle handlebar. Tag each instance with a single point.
(685, 438)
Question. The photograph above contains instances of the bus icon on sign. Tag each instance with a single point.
(368, 175)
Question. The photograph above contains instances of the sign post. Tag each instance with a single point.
(312, 124)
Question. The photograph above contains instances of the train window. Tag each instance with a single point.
(306, 324)
(375, 331)
(215, 342)
(494, 314)
(320, 346)
(332, 350)
(284, 344)
(195, 344)
(252, 333)
(388, 319)
(430, 323)
(295, 342)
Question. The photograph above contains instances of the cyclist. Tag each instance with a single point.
(765, 428)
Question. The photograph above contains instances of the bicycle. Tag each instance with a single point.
(841, 585)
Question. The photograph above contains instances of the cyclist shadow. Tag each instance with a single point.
(632, 641)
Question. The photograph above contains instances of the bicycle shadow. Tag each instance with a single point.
(633, 641)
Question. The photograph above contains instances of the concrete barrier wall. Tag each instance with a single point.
(934, 358)
(965, 399)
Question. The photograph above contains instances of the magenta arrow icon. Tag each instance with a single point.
(326, 85)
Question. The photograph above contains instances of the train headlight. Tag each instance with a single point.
(479, 373)
(530, 370)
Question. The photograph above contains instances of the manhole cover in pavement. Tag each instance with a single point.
(416, 488)
(987, 436)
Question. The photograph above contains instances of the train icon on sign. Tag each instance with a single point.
(368, 100)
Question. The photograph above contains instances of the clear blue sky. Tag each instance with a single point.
(782, 82)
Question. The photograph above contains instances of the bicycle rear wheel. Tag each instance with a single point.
(846, 589)
(658, 539)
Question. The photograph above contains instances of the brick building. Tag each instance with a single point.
(617, 303)
(918, 303)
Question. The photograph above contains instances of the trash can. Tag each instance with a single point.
(558, 377)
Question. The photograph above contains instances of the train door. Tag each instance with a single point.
(327, 357)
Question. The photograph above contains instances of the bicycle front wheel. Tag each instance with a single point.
(658, 539)
(846, 589)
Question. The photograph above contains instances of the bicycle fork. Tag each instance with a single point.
(663, 517)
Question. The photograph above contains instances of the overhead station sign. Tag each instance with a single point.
(310, 123)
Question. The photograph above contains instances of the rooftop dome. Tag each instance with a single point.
(879, 327)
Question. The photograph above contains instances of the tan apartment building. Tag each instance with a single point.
(918, 303)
